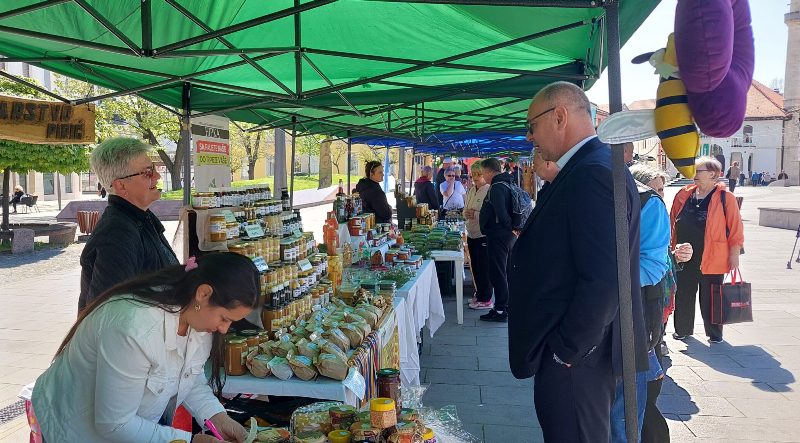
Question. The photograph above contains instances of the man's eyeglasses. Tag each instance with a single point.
(530, 124)
(148, 172)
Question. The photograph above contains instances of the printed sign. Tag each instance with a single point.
(254, 231)
(228, 214)
(211, 142)
(304, 265)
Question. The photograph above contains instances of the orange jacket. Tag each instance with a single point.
(716, 247)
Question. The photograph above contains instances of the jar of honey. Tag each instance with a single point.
(217, 228)
(235, 353)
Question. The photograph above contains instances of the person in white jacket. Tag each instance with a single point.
(138, 351)
(476, 241)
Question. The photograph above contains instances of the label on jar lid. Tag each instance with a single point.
(254, 231)
(228, 214)
(304, 265)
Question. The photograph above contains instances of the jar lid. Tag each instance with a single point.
(342, 410)
(381, 404)
(338, 434)
(236, 341)
(388, 372)
(248, 332)
(428, 435)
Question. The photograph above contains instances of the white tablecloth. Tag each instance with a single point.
(423, 308)
(457, 257)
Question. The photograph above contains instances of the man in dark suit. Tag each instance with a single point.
(564, 305)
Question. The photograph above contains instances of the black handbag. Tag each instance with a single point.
(731, 302)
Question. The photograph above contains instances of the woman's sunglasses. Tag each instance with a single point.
(148, 172)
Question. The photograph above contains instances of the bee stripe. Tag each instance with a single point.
(683, 161)
(672, 132)
(674, 100)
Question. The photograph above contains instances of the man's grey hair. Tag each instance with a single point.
(644, 173)
(564, 94)
(427, 170)
(450, 169)
(111, 159)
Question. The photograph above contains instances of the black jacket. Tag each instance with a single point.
(439, 180)
(496, 214)
(425, 192)
(563, 288)
(126, 243)
(374, 200)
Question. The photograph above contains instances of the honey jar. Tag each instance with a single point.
(235, 353)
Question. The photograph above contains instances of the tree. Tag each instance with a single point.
(248, 146)
(339, 155)
(309, 146)
(132, 116)
(16, 156)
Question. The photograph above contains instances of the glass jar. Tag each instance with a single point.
(251, 338)
(217, 228)
(389, 386)
(235, 353)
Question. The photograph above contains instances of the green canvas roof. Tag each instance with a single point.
(364, 66)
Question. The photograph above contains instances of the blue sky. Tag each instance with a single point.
(639, 82)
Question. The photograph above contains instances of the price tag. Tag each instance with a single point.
(260, 264)
(298, 233)
(254, 231)
(228, 214)
(304, 265)
(355, 382)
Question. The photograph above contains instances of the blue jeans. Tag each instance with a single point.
(654, 372)
(618, 409)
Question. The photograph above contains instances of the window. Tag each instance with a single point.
(68, 184)
(88, 182)
(748, 133)
(49, 183)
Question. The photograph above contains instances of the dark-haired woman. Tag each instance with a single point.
(372, 194)
(137, 352)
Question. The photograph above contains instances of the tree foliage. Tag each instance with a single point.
(22, 157)
(248, 147)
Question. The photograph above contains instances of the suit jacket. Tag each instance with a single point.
(563, 292)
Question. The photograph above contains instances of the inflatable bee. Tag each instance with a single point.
(673, 119)
(710, 89)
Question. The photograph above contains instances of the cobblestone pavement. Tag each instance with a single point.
(745, 389)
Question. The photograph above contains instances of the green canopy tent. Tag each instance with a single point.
(345, 68)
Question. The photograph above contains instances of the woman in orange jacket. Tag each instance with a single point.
(715, 232)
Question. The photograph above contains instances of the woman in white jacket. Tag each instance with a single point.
(138, 351)
(476, 241)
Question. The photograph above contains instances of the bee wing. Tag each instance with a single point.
(627, 126)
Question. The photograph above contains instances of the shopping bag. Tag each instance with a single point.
(731, 302)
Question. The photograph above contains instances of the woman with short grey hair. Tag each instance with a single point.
(129, 239)
(650, 176)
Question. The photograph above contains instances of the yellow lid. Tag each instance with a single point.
(381, 404)
(339, 436)
(428, 435)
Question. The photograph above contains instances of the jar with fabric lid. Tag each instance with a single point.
(428, 436)
(251, 338)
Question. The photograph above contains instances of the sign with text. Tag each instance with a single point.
(254, 231)
(211, 142)
(46, 123)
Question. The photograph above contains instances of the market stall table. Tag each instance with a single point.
(457, 257)
(423, 307)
